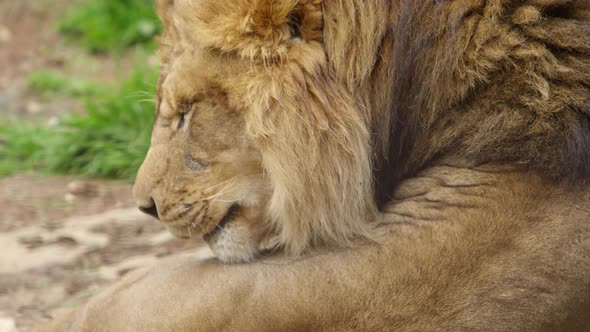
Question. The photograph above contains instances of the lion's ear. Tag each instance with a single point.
(302, 18)
(267, 17)
(251, 28)
(306, 20)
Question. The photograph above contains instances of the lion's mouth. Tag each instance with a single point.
(231, 213)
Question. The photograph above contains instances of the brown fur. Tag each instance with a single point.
(466, 122)
(489, 81)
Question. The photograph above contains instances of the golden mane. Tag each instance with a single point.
(478, 81)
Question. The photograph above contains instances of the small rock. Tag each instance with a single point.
(80, 188)
(33, 107)
(53, 121)
(66, 241)
(69, 198)
(5, 34)
(7, 325)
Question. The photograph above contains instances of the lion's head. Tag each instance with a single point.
(290, 122)
(255, 136)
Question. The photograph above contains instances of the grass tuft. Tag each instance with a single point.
(111, 25)
(110, 140)
(49, 83)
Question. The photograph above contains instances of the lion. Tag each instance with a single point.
(366, 165)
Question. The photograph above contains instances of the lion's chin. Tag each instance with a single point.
(234, 243)
(233, 240)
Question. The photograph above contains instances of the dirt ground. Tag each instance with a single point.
(58, 248)
(62, 239)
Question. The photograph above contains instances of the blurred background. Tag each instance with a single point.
(77, 80)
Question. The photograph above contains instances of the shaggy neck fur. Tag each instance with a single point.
(480, 81)
(319, 161)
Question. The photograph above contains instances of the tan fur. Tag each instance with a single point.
(466, 123)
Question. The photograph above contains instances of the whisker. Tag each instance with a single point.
(218, 194)
(220, 183)
(141, 93)
(209, 197)
(147, 101)
(226, 200)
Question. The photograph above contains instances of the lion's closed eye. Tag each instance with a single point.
(194, 163)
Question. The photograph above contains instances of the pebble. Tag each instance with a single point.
(80, 188)
(53, 121)
(7, 325)
(5, 34)
(69, 198)
(33, 107)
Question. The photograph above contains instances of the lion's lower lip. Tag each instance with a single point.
(231, 213)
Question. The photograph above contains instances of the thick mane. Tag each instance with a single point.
(478, 81)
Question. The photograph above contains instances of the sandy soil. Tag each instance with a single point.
(57, 248)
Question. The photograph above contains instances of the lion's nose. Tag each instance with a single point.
(151, 210)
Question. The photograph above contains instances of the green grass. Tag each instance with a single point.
(20, 146)
(110, 140)
(50, 83)
(111, 25)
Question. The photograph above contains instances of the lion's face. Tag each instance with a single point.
(255, 135)
(203, 173)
